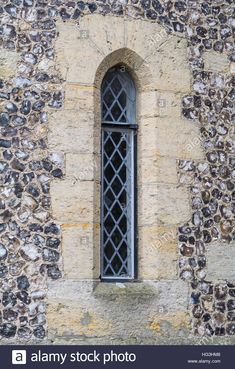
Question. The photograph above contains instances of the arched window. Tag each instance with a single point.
(118, 183)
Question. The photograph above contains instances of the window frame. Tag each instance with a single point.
(131, 128)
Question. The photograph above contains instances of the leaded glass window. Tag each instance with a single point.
(118, 213)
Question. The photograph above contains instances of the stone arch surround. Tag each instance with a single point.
(77, 210)
(211, 181)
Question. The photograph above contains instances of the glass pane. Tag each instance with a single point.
(116, 86)
(117, 203)
(109, 250)
(123, 224)
(117, 224)
(114, 99)
(116, 112)
(108, 98)
(117, 264)
(109, 172)
(122, 100)
(123, 251)
(116, 237)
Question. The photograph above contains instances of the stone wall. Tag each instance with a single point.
(53, 57)
(162, 206)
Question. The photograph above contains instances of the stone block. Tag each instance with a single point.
(79, 97)
(157, 258)
(178, 138)
(8, 63)
(81, 167)
(72, 201)
(71, 132)
(147, 204)
(220, 261)
(166, 168)
(172, 204)
(78, 251)
(216, 62)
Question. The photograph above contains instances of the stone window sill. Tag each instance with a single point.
(102, 289)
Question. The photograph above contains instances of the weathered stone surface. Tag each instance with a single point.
(81, 167)
(72, 129)
(72, 201)
(169, 56)
(126, 303)
(78, 239)
(220, 261)
(158, 257)
(215, 62)
(8, 63)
